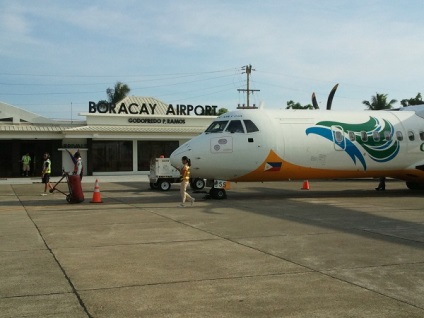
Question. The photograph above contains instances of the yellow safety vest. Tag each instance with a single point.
(26, 159)
(186, 173)
(49, 168)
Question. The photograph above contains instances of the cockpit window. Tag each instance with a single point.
(250, 126)
(217, 126)
(235, 126)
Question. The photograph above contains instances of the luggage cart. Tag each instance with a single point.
(74, 186)
(163, 174)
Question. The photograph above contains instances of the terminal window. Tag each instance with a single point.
(112, 156)
(149, 150)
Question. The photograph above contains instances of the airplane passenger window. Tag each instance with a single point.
(387, 135)
(422, 135)
(217, 126)
(411, 135)
(339, 136)
(364, 136)
(250, 126)
(376, 135)
(352, 135)
(399, 135)
(235, 126)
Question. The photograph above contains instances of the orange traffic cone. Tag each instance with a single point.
(96, 194)
(305, 185)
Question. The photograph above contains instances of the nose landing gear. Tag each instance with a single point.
(218, 194)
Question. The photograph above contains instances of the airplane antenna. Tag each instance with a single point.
(248, 70)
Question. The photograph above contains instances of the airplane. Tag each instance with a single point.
(258, 145)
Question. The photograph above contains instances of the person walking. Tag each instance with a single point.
(26, 160)
(45, 173)
(382, 184)
(185, 177)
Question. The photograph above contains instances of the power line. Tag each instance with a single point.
(114, 75)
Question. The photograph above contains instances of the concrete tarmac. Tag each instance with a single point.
(340, 249)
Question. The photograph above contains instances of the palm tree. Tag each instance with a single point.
(118, 93)
(412, 101)
(293, 105)
(379, 102)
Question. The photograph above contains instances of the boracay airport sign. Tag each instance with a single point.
(149, 109)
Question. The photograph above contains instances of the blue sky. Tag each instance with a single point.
(56, 56)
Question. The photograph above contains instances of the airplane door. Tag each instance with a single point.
(339, 140)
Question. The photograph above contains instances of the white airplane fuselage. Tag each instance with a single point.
(305, 144)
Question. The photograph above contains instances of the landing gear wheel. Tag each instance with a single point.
(164, 185)
(69, 198)
(218, 194)
(197, 184)
(154, 185)
(414, 185)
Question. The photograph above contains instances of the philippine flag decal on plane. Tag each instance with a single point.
(273, 166)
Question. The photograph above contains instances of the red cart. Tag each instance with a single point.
(74, 186)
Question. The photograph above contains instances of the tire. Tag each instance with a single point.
(414, 185)
(154, 185)
(218, 194)
(197, 184)
(164, 185)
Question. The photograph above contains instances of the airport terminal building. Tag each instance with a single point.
(114, 139)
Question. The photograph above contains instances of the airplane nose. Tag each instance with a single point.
(177, 154)
(174, 160)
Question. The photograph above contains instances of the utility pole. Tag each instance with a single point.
(248, 70)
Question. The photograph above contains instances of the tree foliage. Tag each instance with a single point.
(291, 104)
(118, 93)
(222, 111)
(412, 101)
(379, 102)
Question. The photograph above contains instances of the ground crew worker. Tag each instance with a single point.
(185, 177)
(77, 160)
(45, 173)
(78, 167)
(26, 160)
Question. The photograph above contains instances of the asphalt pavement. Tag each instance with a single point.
(340, 249)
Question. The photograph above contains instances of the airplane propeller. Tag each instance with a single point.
(314, 101)
(329, 100)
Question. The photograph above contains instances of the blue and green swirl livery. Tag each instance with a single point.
(381, 150)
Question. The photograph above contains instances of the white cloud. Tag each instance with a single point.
(297, 47)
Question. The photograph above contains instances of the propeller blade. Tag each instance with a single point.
(314, 101)
(330, 97)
